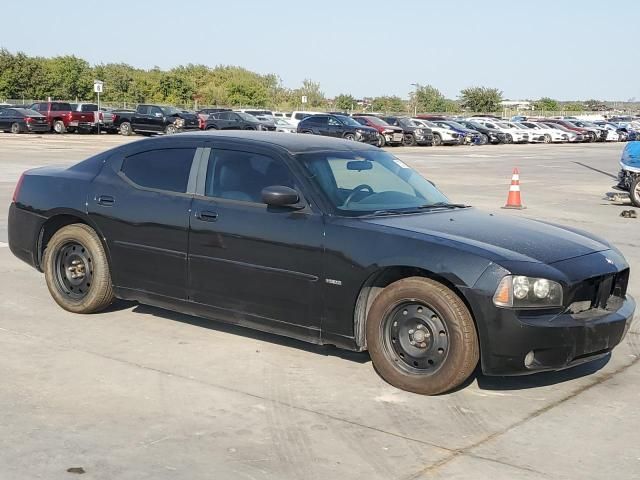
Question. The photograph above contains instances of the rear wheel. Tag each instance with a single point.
(634, 191)
(15, 128)
(437, 140)
(76, 270)
(421, 336)
(125, 129)
(58, 126)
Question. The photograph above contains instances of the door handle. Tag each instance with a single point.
(106, 200)
(207, 216)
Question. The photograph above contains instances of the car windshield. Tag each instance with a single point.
(370, 182)
(168, 111)
(281, 121)
(348, 121)
(475, 125)
(456, 125)
(503, 125)
(429, 123)
(247, 117)
(407, 122)
(378, 121)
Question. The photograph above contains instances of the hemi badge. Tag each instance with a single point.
(333, 282)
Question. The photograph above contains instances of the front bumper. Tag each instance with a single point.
(520, 341)
(424, 139)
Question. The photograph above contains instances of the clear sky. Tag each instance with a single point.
(565, 49)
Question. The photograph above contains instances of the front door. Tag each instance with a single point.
(251, 263)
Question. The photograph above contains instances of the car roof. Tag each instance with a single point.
(291, 143)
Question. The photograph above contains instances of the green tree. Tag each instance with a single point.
(546, 103)
(315, 96)
(68, 77)
(429, 99)
(20, 76)
(344, 102)
(481, 99)
(573, 107)
(388, 104)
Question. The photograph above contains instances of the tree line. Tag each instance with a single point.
(71, 78)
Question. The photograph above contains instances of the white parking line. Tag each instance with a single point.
(2, 244)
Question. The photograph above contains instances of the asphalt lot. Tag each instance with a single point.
(142, 393)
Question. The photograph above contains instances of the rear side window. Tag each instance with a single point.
(60, 107)
(89, 108)
(166, 169)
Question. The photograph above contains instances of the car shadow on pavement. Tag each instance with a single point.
(542, 379)
(325, 350)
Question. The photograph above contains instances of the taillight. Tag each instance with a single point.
(114, 117)
(70, 116)
(200, 123)
(28, 119)
(16, 192)
(100, 116)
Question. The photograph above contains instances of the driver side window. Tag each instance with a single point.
(333, 122)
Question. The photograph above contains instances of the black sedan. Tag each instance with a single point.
(339, 126)
(324, 240)
(20, 120)
(489, 135)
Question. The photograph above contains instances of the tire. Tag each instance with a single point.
(634, 191)
(547, 138)
(437, 140)
(449, 351)
(509, 138)
(212, 128)
(125, 129)
(350, 136)
(592, 137)
(58, 127)
(484, 139)
(170, 130)
(15, 128)
(409, 140)
(381, 141)
(92, 291)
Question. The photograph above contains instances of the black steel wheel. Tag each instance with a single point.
(421, 336)
(77, 271)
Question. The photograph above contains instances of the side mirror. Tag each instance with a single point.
(280, 196)
(158, 114)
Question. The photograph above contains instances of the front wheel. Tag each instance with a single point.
(509, 138)
(421, 337)
(409, 140)
(437, 140)
(77, 271)
(547, 138)
(484, 139)
(634, 192)
(350, 136)
(381, 141)
(170, 130)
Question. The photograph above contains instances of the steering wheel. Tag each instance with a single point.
(362, 186)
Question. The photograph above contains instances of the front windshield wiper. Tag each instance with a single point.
(420, 208)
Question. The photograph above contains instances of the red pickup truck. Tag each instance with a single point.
(61, 117)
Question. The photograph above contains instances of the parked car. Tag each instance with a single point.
(491, 135)
(599, 132)
(150, 119)
(512, 135)
(549, 135)
(263, 116)
(467, 135)
(283, 125)
(256, 112)
(228, 120)
(22, 120)
(327, 241)
(587, 135)
(535, 136)
(572, 135)
(629, 175)
(441, 135)
(338, 126)
(102, 118)
(61, 117)
(626, 128)
(389, 135)
(414, 133)
(298, 115)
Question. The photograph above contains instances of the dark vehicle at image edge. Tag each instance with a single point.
(339, 126)
(20, 120)
(154, 119)
(324, 240)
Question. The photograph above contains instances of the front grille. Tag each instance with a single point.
(598, 291)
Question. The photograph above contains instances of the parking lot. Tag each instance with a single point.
(142, 393)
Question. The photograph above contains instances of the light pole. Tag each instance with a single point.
(415, 99)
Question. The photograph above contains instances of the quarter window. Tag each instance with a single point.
(241, 176)
(166, 169)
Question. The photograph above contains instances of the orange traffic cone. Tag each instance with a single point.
(513, 200)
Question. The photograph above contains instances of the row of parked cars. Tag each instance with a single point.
(380, 130)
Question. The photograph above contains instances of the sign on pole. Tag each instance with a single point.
(304, 99)
(97, 86)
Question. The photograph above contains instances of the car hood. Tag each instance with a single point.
(498, 237)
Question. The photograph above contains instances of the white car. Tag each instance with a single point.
(612, 132)
(441, 135)
(514, 134)
(283, 125)
(299, 115)
(550, 135)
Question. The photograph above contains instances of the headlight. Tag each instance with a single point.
(517, 291)
(418, 131)
(179, 122)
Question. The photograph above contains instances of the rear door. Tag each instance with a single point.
(141, 202)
